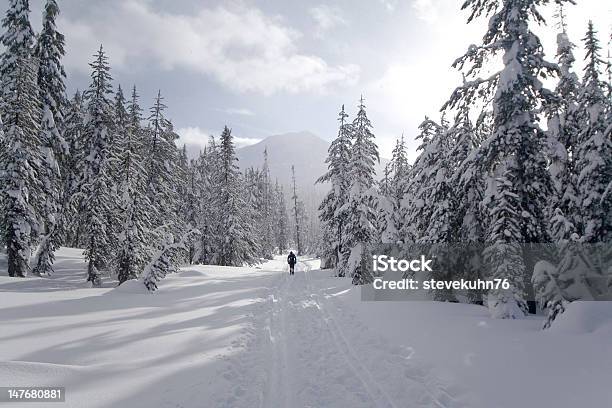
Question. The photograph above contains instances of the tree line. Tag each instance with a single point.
(509, 164)
(98, 172)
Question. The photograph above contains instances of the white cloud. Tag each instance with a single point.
(238, 46)
(327, 17)
(427, 10)
(195, 136)
(245, 141)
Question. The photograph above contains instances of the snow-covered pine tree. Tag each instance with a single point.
(282, 220)
(503, 255)
(254, 188)
(210, 212)
(468, 183)
(401, 169)
(518, 180)
(21, 158)
(360, 206)
(192, 204)
(236, 232)
(200, 208)
(423, 176)
(134, 204)
(563, 130)
(570, 279)
(49, 52)
(400, 166)
(72, 171)
(18, 40)
(181, 188)
(331, 209)
(162, 166)
(386, 231)
(547, 291)
(433, 210)
(267, 241)
(467, 177)
(308, 237)
(96, 189)
(164, 260)
(2, 197)
(439, 194)
(296, 212)
(594, 151)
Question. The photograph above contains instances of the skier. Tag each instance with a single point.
(291, 260)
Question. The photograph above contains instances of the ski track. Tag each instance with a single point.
(297, 354)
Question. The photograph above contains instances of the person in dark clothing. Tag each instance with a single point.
(291, 260)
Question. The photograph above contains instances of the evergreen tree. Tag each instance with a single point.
(469, 222)
(296, 213)
(504, 256)
(385, 209)
(423, 177)
(331, 209)
(432, 210)
(238, 243)
(548, 293)
(210, 211)
(401, 170)
(21, 157)
(18, 40)
(594, 152)
(51, 75)
(563, 129)
(267, 239)
(282, 220)
(512, 155)
(571, 279)
(72, 170)
(360, 206)
(467, 177)
(96, 204)
(134, 204)
(162, 166)
(192, 202)
(163, 261)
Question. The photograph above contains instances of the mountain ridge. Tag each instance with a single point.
(303, 149)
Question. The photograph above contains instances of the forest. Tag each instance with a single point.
(521, 154)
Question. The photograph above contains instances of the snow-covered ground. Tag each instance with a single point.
(257, 337)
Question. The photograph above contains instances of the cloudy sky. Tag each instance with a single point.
(274, 66)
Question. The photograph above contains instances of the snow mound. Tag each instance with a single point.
(192, 273)
(134, 286)
(584, 317)
(24, 372)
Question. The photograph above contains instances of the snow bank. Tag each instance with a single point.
(192, 273)
(585, 317)
(134, 286)
(503, 363)
(243, 337)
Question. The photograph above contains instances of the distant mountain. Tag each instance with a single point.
(305, 150)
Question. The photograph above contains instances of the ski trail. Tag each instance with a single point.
(306, 366)
(432, 392)
(301, 353)
(279, 389)
(378, 395)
